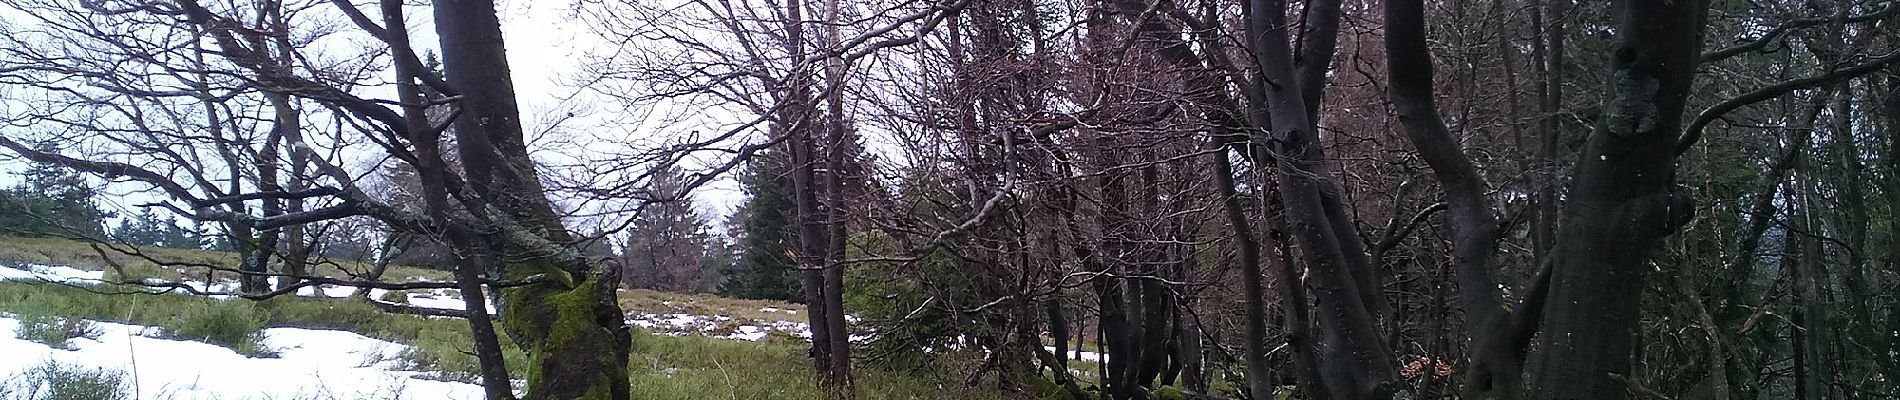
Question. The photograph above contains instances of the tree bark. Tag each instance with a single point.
(1496, 357)
(1359, 366)
(1622, 203)
(1253, 289)
(576, 335)
(837, 147)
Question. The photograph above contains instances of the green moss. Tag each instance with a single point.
(1167, 393)
(557, 325)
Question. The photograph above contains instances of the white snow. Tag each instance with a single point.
(312, 364)
(432, 298)
(1085, 356)
(50, 273)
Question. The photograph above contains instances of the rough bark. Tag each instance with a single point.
(577, 339)
(1622, 203)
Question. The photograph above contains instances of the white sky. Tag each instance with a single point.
(545, 45)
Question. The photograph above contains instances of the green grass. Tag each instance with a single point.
(54, 381)
(134, 261)
(53, 330)
(656, 302)
(660, 366)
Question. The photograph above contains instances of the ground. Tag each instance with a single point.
(322, 347)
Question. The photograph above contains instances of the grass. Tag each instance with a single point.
(53, 330)
(656, 302)
(54, 381)
(77, 254)
(660, 367)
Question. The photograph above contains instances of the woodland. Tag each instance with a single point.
(1212, 199)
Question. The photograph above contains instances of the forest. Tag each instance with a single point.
(971, 199)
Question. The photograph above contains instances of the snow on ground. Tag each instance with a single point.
(1084, 355)
(717, 326)
(670, 324)
(51, 274)
(431, 298)
(311, 364)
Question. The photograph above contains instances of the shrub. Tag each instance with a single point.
(54, 331)
(235, 325)
(52, 380)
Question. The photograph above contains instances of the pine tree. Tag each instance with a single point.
(761, 227)
(52, 201)
(668, 243)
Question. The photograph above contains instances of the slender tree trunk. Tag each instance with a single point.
(290, 126)
(799, 121)
(1792, 246)
(1294, 309)
(1622, 203)
(268, 159)
(1496, 351)
(1253, 289)
(1551, 98)
(296, 248)
(1891, 108)
(384, 252)
(835, 151)
(432, 170)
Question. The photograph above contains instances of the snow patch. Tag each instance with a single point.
(311, 363)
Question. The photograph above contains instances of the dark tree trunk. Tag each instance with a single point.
(840, 140)
(576, 335)
(1359, 366)
(1622, 203)
(1058, 329)
(433, 171)
(1497, 343)
(1891, 108)
(1294, 309)
(1550, 56)
(1253, 290)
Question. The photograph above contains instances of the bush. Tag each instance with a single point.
(54, 381)
(53, 330)
(235, 325)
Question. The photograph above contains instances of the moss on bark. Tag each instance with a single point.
(576, 343)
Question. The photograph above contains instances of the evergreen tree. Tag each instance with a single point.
(149, 229)
(668, 246)
(761, 228)
(52, 201)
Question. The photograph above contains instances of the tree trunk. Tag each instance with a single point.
(576, 335)
(1359, 364)
(1622, 203)
(1496, 352)
(432, 170)
(836, 149)
(1253, 290)
(1551, 56)
(1891, 108)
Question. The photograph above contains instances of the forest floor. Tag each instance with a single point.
(54, 316)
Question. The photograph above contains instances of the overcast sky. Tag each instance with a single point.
(545, 47)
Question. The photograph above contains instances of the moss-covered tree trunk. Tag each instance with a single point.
(572, 328)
